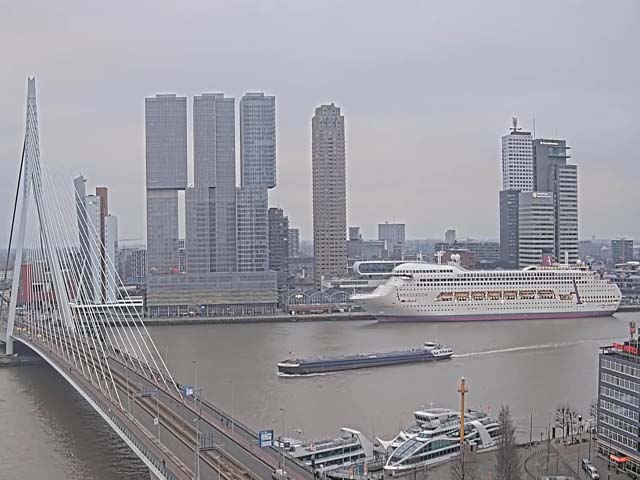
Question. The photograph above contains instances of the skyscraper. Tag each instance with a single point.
(110, 259)
(554, 174)
(93, 262)
(257, 174)
(294, 242)
(517, 160)
(329, 193)
(278, 240)
(103, 194)
(517, 176)
(211, 235)
(258, 140)
(509, 216)
(166, 175)
(200, 275)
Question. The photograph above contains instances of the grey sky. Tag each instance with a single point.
(427, 89)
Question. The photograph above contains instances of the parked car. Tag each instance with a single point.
(593, 472)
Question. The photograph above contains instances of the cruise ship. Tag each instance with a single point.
(349, 448)
(436, 438)
(442, 293)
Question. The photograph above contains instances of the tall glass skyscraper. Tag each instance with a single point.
(258, 175)
(211, 203)
(166, 175)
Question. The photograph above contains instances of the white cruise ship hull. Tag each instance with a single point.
(438, 293)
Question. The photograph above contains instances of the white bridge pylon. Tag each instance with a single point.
(46, 307)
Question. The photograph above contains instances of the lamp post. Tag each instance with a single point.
(196, 450)
(233, 415)
(282, 442)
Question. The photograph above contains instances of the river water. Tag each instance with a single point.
(47, 431)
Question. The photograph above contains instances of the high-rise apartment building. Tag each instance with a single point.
(517, 160)
(103, 194)
(536, 228)
(166, 175)
(294, 243)
(621, 250)
(278, 240)
(329, 193)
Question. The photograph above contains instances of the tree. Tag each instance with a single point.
(464, 466)
(507, 455)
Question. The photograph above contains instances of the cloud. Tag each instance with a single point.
(427, 90)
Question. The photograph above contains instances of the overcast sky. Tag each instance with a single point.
(427, 89)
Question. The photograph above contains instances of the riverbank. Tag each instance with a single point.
(278, 318)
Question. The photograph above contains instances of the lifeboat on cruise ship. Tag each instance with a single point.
(527, 294)
(478, 295)
(495, 295)
(510, 295)
(462, 296)
(445, 296)
(546, 294)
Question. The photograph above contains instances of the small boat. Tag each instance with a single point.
(431, 351)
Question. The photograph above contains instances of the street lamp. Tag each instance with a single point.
(282, 442)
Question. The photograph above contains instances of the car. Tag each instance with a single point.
(592, 472)
(280, 474)
(585, 464)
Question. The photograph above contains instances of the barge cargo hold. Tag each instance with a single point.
(310, 366)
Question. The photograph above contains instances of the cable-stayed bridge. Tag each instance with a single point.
(105, 351)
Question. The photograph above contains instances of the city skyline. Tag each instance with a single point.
(399, 145)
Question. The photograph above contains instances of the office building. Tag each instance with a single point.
(509, 244)
(257, 175)
(517, 160)
(258, 140)
(618, 404)
(202, 277)
(329, 193)
(110, 259)
(621, 250)
(253, 229)
(484, 254)
(553, 174)
(211, 235)
(536, 228)
(132, 265)
(93, 262)
(361, 249)
(166, 176)
(450, 236)
(517, 176)
(294, 243)
(278, 240)
(394, 235)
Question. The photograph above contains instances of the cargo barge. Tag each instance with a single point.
(431, 351)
